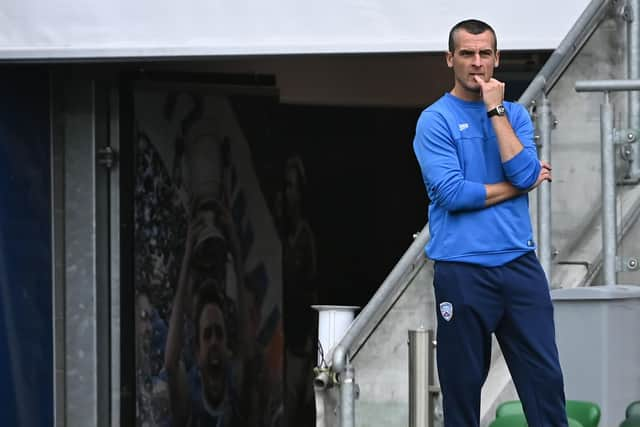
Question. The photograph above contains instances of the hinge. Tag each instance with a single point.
(107, 157)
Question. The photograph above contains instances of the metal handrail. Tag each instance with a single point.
(538, 89)
(378, 303)
(609, 220)
(566, 51)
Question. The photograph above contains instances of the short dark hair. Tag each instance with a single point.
(472, 26)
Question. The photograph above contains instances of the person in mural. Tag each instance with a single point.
(479, 161)
(216, 392)
(300, 292)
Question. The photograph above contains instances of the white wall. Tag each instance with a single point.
(45, 29)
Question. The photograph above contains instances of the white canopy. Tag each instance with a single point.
(59, 29)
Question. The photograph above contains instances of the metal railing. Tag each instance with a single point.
(341, 372)
(536, 93)
(566, 51)
(608, 169)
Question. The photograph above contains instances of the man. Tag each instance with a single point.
(216, 390)
(478, 162)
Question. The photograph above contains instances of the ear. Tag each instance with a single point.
(497, 62)
(449, 58)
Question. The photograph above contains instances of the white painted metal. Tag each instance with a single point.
(74, 29)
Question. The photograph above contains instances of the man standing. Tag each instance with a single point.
(478, 162)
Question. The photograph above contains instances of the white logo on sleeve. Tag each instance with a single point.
(463, 126)
(446, 309)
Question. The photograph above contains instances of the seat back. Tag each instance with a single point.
(518, 420)
(510, 420)
(588, 413)
(633, 410)
(510, 407)
(631, 422)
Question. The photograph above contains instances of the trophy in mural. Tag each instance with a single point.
(206, 161)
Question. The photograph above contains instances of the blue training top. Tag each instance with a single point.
(458, 153)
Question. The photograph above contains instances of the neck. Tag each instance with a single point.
(465, 94)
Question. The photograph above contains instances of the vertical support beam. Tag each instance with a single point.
(348, 396)
(609, 235)
(114, 254)
(77, 99)
(102, 255)
(544, 190)
(58, 239)
(420, 410)
(633, 73)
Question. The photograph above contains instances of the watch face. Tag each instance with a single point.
(500, 110)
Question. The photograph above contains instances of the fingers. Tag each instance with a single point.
(480, 81)
(545, 165)
(545, 175)
(492, 91)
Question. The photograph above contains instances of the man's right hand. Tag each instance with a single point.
(545, 174)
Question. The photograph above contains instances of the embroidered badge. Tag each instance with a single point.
(463, 126)
(446, 309)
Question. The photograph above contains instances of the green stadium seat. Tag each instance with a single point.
(518, 420)
(633, 410)
(587, 413)
(631, 422)
(510, 407)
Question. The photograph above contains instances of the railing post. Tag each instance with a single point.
(633, 72)
(544, 190)
(421, 378)
(607, 149)
(348, 396)
(608, 180)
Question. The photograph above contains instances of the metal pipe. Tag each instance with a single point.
(420, 408)
(609, 236)
(633, 73)
(566, 51)
(607, 85)
(347, 397)
(544, 190)
(338, 355)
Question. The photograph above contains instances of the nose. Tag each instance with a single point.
(476, 60)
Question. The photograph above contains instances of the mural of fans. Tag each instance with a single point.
(211, 391)
(217, 362)
(300, 292)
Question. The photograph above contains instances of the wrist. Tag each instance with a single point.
(497, 110)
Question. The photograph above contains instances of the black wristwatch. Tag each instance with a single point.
(498, 111)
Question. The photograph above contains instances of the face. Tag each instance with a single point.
(474, 55)
(291, 188)
(212, 352)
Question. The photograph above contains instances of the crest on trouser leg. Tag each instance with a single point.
(446, 310)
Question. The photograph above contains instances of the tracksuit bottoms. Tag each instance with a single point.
(512, 301)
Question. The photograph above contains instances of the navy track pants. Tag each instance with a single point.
(513, 302)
